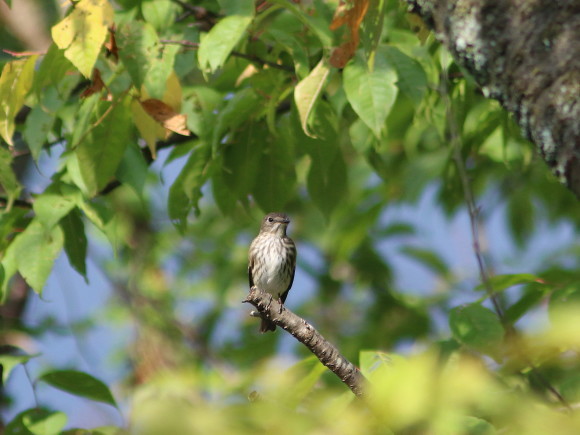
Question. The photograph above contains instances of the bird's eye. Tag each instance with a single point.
(270, 220)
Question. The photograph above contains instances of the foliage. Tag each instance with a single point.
(247, 107)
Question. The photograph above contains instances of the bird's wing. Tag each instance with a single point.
(250, 266)
(285, 294)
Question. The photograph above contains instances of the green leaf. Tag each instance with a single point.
(160, 13)
(52, 71)
(315, 22)
(327, 177)
(327, 182)
(222, 194)
(10, 357)
(307, 92)
(148, 62)
(85, 113)
(52, 205)
(80, 384)
(75, 242)
(372, 26)
(237, 111)
(82, 33)
(201, 107)
(242, 163)
(216, 46)
(371, 93)
(8, 179)
(186, 190)
(530, 298)
(133, 169)
(428, 258)
(37, 421)
(295, 48)
(521, 214)
(411, 77)
(100, 153)
(502, 282)
(15, 82)
(138, 43)
(40, 121)
(35, 251)
(476, 327)
(237, 7)
(274, 185)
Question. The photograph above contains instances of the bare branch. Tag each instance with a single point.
(305, 333)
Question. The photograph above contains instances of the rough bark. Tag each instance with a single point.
(304, 332)
(525, 54)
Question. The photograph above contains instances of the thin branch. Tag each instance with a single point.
(20, 203)
(305, 333)
(250, 57)
(469, 197)
(474, 219)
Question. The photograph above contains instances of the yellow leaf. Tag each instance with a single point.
(307, 92)
(173, 94)
(15, 82)
(148, 128)
(82, 33)
(151, 126)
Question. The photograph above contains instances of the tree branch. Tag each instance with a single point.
(305, 333)
(250, 57)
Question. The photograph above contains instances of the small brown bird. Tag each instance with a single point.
(272, 261)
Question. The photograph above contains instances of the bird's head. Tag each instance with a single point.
(275, 223)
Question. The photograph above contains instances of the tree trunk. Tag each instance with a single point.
(525, 54)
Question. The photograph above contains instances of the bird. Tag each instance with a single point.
(272, 261)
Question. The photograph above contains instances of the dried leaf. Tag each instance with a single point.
(351, 16)
(96, 85)
(166, 116)
(111, 44)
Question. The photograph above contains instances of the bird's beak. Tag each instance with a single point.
(285, 221)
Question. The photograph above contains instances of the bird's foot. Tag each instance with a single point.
(269, 302)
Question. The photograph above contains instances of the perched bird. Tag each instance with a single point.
(272, 261)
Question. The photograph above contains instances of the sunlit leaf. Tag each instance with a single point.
(371, 93)
(217, 45)
(35, 250)
(307, 92)
(37, 421)
(82, 33)
(15, 82)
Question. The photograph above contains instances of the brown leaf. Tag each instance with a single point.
(351, 16)
(166, 116)
(96, 85)
(111, 44)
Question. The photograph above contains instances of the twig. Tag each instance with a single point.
(250, 57)
(474, 221)
(20, 203)
(305, 333)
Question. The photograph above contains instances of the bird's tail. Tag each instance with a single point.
(267, 325)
